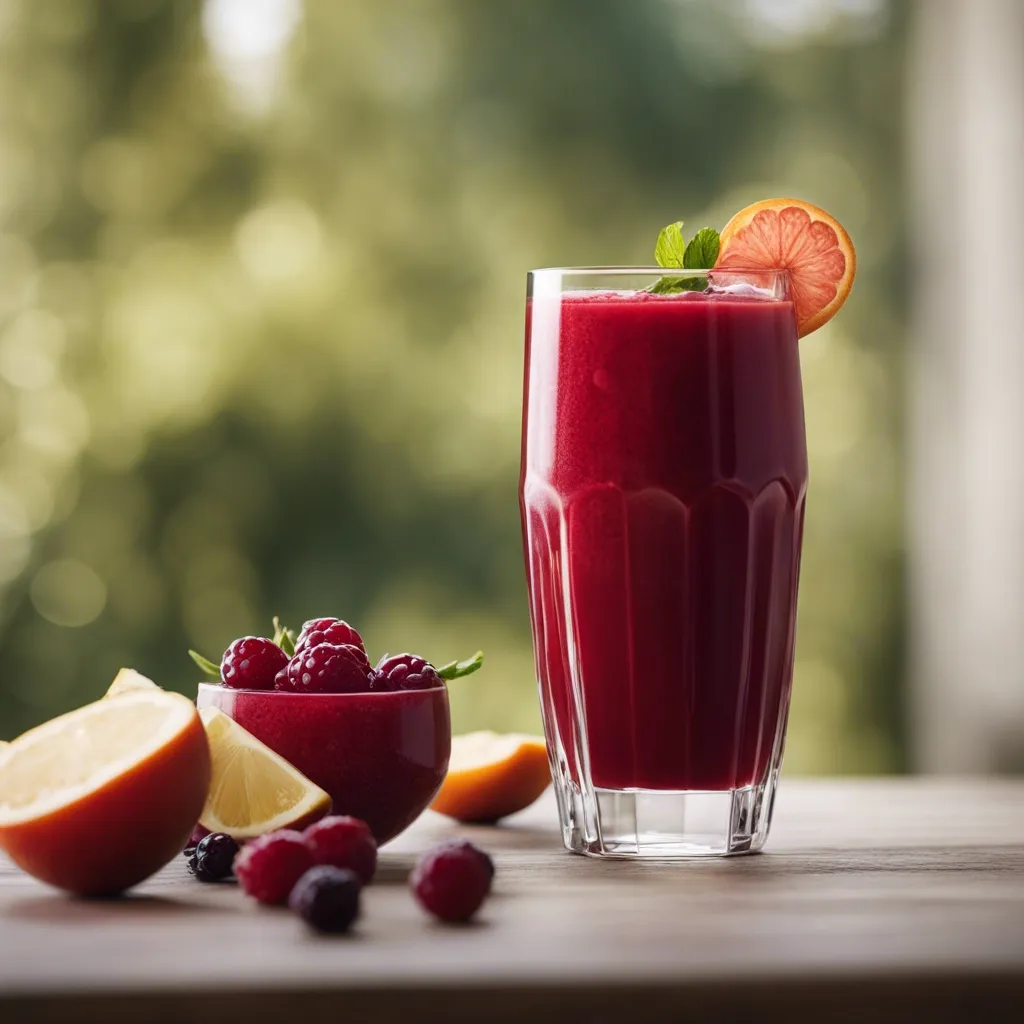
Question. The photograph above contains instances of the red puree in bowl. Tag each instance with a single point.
(381, 756)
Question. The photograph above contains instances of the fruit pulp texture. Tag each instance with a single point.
(662, 494)
(381, 756)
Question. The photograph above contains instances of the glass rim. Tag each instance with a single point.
(658, 271)
(287, 693)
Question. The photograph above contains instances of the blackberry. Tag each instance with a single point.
(213, 858)
(327, 898)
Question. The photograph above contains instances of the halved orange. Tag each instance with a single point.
(99, 799)
(491, 776)
(254, 790)
(128, 680)
(789, 234)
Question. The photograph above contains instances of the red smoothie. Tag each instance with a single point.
(662, 492)
(381, 756)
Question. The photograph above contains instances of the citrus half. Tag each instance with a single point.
(128, 680)
(789, 234)
(491, 776)
(99, 799)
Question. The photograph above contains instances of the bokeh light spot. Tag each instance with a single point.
(68, 592)
(31, 348)
(278, 241)
(53, 421)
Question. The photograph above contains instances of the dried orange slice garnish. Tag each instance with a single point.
(788, 234)
(491, 776)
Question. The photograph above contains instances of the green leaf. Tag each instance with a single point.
(702, 251)
(674, 285)
(671, 246)
(665, 286)
(457, 669)
(284, 637)
(673, 251)
(206, 666)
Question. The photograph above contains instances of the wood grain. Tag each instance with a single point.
(876, 900)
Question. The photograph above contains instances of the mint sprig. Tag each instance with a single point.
(672, 285)
(671, 250)
(458, 669)
(206, 666)
(702, 250)
(283, 637)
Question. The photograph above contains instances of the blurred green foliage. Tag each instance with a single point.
(261, 310)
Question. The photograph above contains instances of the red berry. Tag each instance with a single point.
(488, 862)
(378, 684)
(452, 880)
(328, 631)
(344, 842)
(407, 672)
(328, 668)
(268, 868)
(252, 663)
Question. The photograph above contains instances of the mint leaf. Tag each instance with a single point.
(284, 637)
(673, 251)
(666, 286)
(674, 285)
(702, 251)
(457, 669)
(206, 666)
(671, 246)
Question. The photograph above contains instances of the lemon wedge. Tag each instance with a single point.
(252, 789)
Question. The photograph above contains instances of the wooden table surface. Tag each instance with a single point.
(875, 901)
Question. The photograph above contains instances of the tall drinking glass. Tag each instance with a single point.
(663, 477)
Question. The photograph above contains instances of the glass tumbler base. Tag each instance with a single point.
(667, 824)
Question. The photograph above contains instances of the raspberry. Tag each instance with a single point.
(452, 880)
(378, 684)
(268, 867)
(344, 842)
(213, 857)
(328, 668)
(488, 862)
(327, 898)
(328, 631)
(407, 672)
(251, 663)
